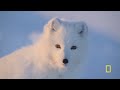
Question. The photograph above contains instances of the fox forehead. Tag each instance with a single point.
(65, 40)
(66, 31)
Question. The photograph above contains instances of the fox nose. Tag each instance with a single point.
(65, 61)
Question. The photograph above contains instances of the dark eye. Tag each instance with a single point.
(73, 47)
(81, 32)
(57, 46)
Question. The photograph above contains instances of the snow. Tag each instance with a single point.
(0, 36)
(19, 29)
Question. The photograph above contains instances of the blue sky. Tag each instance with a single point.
(16, 28)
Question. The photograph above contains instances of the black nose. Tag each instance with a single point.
(65, 61)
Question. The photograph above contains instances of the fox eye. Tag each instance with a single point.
(58, 46)
(73, 47)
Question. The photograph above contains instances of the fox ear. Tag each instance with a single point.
(82, 28)
(54, 24)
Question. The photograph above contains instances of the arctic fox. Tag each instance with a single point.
(60, 49)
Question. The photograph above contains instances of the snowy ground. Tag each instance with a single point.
(18, 28)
